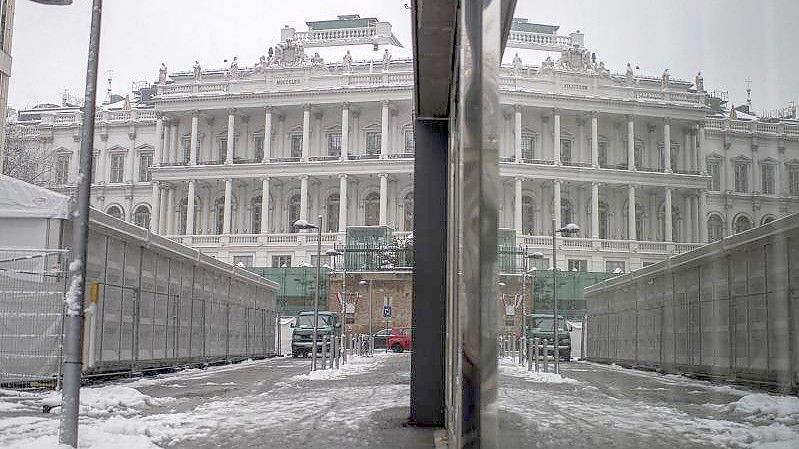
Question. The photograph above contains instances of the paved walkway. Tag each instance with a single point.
(275, 403)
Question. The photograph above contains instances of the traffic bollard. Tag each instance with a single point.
(344, 349)
(325, 341)
(546, 356)
(537, 342)
(336, 351)
(529, 354)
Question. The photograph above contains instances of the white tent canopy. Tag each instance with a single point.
(19, 199)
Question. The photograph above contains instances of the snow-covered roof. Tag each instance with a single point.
(19, 199)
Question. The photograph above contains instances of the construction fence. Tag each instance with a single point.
(729, 309)
(150, 304)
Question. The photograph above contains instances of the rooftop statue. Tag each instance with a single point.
(289, 53)
(602, 70)
(262, 64)
(348, 62)
(162, 74)
(700, 82)
(629, 76)
(517, 65)
(386, 60)
(198, 71)
(548, 65)
(318, 62)
(234, 68)
(575, 59)
(664, 80)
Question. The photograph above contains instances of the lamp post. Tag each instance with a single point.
(570, 228)
(299, 225)
(334, 253)
(74, 316)
(535, 255)
(363, 283)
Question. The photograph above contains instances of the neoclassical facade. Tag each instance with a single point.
(226, 160)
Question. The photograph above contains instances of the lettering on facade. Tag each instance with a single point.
(575, 86)
(287, 82)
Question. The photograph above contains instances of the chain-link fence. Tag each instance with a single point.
(31, 302)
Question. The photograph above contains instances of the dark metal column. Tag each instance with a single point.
(429, 281)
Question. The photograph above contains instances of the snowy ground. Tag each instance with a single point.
(276, 403)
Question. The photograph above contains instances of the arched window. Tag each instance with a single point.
(407, 205)
(371, 207)
(565, 212)
(116, 212)
(742, 223)
(528, 215)
(767, 219)
(255, 221)
(604, 220)
(219, 213)
(184, 205)
(332, 204)
(294, 211)
(715, 228)
(141, 216)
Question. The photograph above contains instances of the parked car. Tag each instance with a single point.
(302, 334)
(540, 325)
(381, 338)
(400, 339)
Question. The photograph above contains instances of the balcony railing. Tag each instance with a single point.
(285, 159)
(324, 158)
(401, 156)
(576, 164)
(356, 157)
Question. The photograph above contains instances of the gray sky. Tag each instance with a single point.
(728, 40)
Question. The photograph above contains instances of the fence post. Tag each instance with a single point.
(546, 356)
(536, 342)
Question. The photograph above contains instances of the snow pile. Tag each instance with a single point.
(511, 368)
(354, 366)
(108, 400)
(766, 408)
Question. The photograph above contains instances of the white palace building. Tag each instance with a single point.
(225, 160)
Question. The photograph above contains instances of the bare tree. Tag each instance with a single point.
(25, 160)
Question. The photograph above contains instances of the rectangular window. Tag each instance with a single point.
(410, 141)
(578, 265)
(741, 178)
(324, 258)
(373, 143)
(614, 266)
(62, 169)
(334, 144)
(279, 261)
(117, 168)
(222, 150)
(94, 168)
(242, 261)
(714, 170)
(528, 147)
(259, 149)
(296, 145)
(145, 162)
(793, 181)
(566, 150)
(767, 178)
(603, 154)
(186, 145)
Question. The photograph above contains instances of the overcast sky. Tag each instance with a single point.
(730, 41)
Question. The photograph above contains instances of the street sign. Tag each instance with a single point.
(387, 311)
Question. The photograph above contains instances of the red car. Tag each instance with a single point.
(400, 339)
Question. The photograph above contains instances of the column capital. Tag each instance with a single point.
(318, 115)
(517, 108)
(385, 103)
(629, 117)
(700, 124)
(594, 114)
(231, 111)
(303, 177)
(631, 186)
(556, 182)
(195, 113)
(355, 112)
(383, 175)
(651, 129)
(556, 111)
(345, 105)
(160, 115)
(667, 120)
(266, 179)
(343, 176)
(669, 189)
(306, 107)
(281, 117)
(268, 109)
(245, 118)
(518, 178)
(595, 184)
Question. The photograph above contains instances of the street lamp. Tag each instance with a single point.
(299, 225)
(570, 228)
(535, 255)
(371, 342)
(334, 253)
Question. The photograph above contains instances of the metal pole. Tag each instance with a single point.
(371, 346)
(316, 296)
(524, 301)
(555, 294)
(73, 323)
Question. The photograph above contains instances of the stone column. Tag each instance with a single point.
(517, 133)
(228, 205)
(264, 206)
(631, 233)
(174, 147)
(384, 132)
(556, 136)
(630, 143)
(667, 216)
(155, 207)
(556, 203)
(319, 147)
(280, 137)
(170, 211)
(267, 136)
(667, 145)
(580, 147)
(158, 157)
(700, 143)
(306, 131)
(345, 131)
(594, 140)
(231, 135)
(195, 123)
(383, 199)
(190, 209)
(651, 147)
(701, 219)
(594, 210)
(303, 198)
(686, 218)
(517, 206)
(342, 203)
